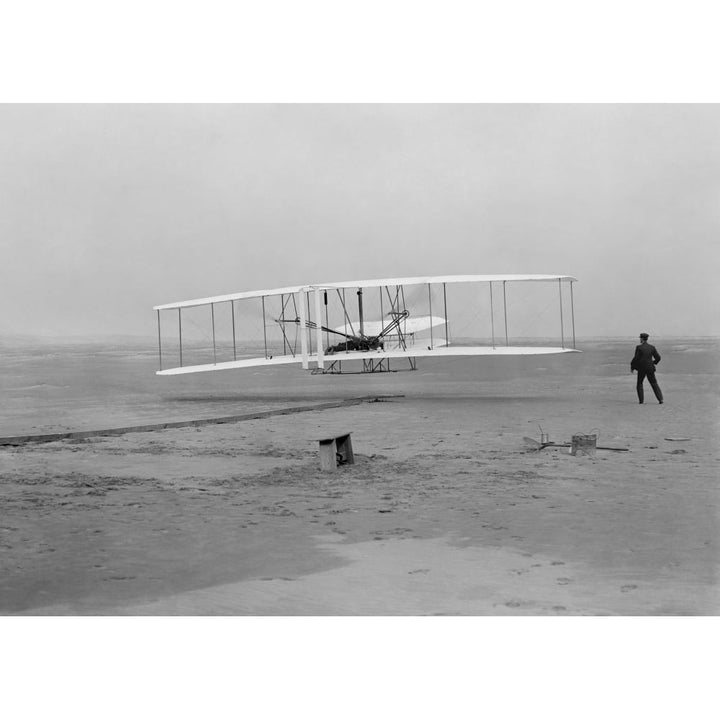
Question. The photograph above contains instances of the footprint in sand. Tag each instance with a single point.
(287, 579)
(517, 604)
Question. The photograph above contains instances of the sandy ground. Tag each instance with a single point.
(446, 511)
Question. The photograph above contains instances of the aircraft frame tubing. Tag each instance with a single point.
(391, 297)
(180, 333)
(572, 312)
(232, 310)
(212, 315)
(264, 326)
(370, 366)
(562, 328)
(447, 336)
(159, 340)
(395, 309)
(430, 310)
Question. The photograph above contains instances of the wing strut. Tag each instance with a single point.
(492, 316)
(562, 328)
(430, 307)
(447, 338)
(287, 345)
(303, 334)
(264, 327)
(360, 312)
(232, 309)
(395, 310)
(180, 333)
(307, 300)
(572, 310)
(507, 341)
(159, 340)
(382, 314)
(318, 332)
(282, 320)
(327, 322)
(346, 316)
(212, 316)
(397, 317)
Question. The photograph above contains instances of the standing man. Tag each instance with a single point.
(646, 357)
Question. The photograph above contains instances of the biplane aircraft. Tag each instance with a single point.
(368, 326)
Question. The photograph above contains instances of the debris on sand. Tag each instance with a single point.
(545, 442)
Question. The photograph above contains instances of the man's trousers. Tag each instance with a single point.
(650, 374)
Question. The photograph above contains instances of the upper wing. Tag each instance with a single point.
(386, 282)
(443, 279)
(229, 298)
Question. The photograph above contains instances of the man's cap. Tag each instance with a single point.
(644, 335)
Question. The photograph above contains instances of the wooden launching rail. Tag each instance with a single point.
(82, 434)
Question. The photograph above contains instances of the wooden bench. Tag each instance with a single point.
(336, 451)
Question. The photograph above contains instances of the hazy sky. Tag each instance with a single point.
(107, 210)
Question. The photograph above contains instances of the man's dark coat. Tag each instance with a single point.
(646, 357)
